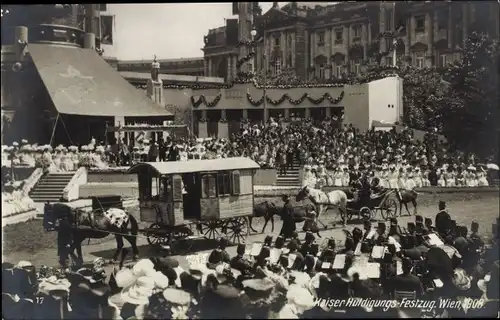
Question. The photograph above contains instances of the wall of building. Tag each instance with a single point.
(385, 102)
(356, 102)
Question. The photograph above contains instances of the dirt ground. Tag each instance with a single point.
(28, 241)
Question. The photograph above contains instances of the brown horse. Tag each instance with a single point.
(94, 225)
(405, 197)
(264, 209)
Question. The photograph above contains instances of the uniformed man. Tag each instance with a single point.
(442, 219)
(239, 262)
(381, 236)
(306, 247)
(476, 244)
(220, 254)
(428, 225)
(287, 216)
(407, 281)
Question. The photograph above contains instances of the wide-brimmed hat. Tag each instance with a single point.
(140, 291)
(258, 289)
(177, 296)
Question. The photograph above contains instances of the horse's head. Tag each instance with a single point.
(303, 193)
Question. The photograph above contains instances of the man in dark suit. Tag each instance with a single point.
(442, 219)
(287, 216)
(407, 281)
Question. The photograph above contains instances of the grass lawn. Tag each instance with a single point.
(28, 237)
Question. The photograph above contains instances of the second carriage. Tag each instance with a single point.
(184, 200)
(384, 203)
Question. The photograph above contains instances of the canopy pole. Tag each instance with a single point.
(65, 129)
(54, 129)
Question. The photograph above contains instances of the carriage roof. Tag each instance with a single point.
(190, 166)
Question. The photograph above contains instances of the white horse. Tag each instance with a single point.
(324, 201)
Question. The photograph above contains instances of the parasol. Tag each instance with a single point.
(492, 166)
(439, 260)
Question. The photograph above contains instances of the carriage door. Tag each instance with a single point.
(177, 200)
(209, 203)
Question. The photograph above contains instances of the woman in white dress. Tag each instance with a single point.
(410, 180)
(56, 158)
(306, 175)
(482, 181)
(460, 179)
(402, 179)
(470, 177)
(330, 172)
(337, 177)
(393, 177)
(417, 177)
(345, 177)
(384, 176)
(450, 177)
(65, 165)
(441, 178)
(425, 178)
(321, 182)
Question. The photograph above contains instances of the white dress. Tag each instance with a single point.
(338, 179)
(425, 179)
(345, 179)
(384, 179)
(402, 180)
(393, 180)
(418, 180)
(481, 179)
(57, 161)
(441, 180)
(450, 179)
(410, 182)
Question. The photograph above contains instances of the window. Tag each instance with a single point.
(321, 39)
(235, 182)
(107, 30)
(420, 23)
(419, 60)
(388, 20)
(277, 41)
(177, 188)
(277, 66)
(356, 31)
(443, 61)
(289, 60)
(321, 71)
(338, 71)
(289, 42)
(357, 66)
(208, 187)
(103, 7)
(223, 183)
(339, 36)
(327, 73)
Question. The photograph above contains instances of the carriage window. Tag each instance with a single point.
(236, 182)
(177, 188)
(145, 187)
(165, 189)
(208, 187)
(224, 183)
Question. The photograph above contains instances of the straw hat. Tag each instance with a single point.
(177, 296)
(144, 267)
(15, 144)
(125, 278)
(140, 291)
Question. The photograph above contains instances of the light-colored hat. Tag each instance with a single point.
(24, 141)
(15, 144)
(144, 267)
(471, 168)
(177, 296)
(140, 291)
(482, 284)
(24, 264)
(461, 280)
(84, 148)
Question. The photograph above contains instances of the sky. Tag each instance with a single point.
(170, 30)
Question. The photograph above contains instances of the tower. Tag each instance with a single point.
(245, 24)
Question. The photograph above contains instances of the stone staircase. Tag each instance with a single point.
(291, 178)
(50, 187)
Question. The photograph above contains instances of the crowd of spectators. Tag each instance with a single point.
(329, 153)
(277, 279)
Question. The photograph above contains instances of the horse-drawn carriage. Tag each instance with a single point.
(382, 202)
(213, 197)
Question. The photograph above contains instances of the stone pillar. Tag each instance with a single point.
(202, 125)
(21, 38)
(283, 47)
(287, 113)
(229, 72)
(364, 41)
(328, 112)
(348, 31)
(235, 70)
(308, 113)
(313, 46)
(205, 67)
(429, 28)
(223, 131)
(89, 41)
(210, 67)
(245, 113)
(155, 91)
(408, 37)
(293, 50)
(450, 28)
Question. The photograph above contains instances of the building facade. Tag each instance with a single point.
(184, 66)
(330, 41)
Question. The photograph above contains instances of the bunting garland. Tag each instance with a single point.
(202, 99)
(295, 102)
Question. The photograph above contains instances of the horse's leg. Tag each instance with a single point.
(319, 210)
(400, 207)
(407, 210)
(250, 219)
(119, 247)
(133, 242)
(271, 217)
(266, 220)
(78, 246)
(414, 202)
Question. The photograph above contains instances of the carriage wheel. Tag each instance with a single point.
(182, 243)
(389, 209)
(366, 214)
(210, 231)
(237, 230)
(155, 238)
